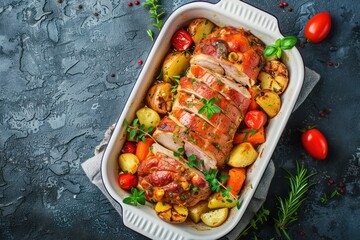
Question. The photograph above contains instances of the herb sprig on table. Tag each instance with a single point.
(156, 12)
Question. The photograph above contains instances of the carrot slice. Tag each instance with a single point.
(142, 148)
(236, 180)
(253, 105)
(254, 136)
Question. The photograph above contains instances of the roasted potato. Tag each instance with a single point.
(199, 28)
(218, 201)
(215, 218)
(175, 64)
(243, 155)
(128, 163)
(196, 211)
(274, 76)
(159, 98)
(269, 101)
(171, 213)
(148, 117)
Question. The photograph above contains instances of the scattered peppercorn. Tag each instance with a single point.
(342, 191)
(60, 1)
(290, 9)
(302, 233)
(129, 4)
(329, 63)
(96, 14)
(285, 4)
(113, 75)
(327, 110)
(140, 62)
(281, 5)
(136, 2)
(331, 181)
(80, 7)
(342, 185)
(322, 114)
(302, 45)
(332, 49)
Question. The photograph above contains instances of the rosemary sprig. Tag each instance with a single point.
(259, 218)
(151, 34)
(155, 12)
(299, 185)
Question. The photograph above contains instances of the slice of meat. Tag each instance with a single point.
(193, 143)
(238, 95)
(167, 179)
(195, 87)
(237, 51)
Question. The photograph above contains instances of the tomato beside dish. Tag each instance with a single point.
(181, 40)
(318, 27)
(255, 119)
(315, 143)
(127, 181)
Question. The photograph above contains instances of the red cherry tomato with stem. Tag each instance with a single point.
(315, 143)
(129, 147)
(255, 119)
(318, 27)
(127, 181)
(181, 40)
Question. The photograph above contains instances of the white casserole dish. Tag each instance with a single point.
(143, 219)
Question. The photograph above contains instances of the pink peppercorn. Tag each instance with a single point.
(136, 2)
(140, 62)
(130, 4)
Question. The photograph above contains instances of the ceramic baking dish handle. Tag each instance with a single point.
(255, 16)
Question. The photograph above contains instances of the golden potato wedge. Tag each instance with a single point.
(129, 163)
(171, 213)
(274, 76)
(215, 218)
(269, 101)
(242, 155)
(196, 211)
(163, 210)
(148, 117)
(218, 201)
(175, 64)
(199, 28)
(160, 97)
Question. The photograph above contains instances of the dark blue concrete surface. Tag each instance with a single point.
(66, 70)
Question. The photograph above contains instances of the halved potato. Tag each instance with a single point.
(159, 97)
(218, 201)
(196, 211)
(274, 76)
(199, 28)
(269, 101)
(148, 117)
(171, 213)
(175, 64)
(215, 218)
(243, 155)
(129, 163)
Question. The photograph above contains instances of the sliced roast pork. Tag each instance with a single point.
(201, 90)
(191, 142)
(238, 52)
(235, 93)
(167, 179)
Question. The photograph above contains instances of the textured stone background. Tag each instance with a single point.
(66, 70)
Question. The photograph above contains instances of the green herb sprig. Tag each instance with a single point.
(135, 197)
(209, 108)
(138, 131)
(299, 186)
(280, 44)
(156, 12)
(324, 198)
(260, 218)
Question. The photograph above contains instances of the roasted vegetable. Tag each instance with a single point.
(142, 148)
(270, 102)
(128, 163)
(242, 155)
(236, 180)
(218, 201)
(181, 40)
(199, 28)
(196, 211)
(175, 64)
(127, 181)
(171, 213)
(159, 98)
(148, 117)
(274, 76)
(254, 136)
(215, 218)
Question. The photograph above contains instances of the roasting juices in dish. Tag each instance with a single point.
(202, 120)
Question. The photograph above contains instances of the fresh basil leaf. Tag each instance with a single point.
(270, 50)
(278, 42)
(127, 200)
(279, 52)
(288, 42)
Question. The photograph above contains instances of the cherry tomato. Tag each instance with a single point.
(255, 119)
(315, 143)
(181, 40)
(318, 27)
(129, 147)
(127, 181)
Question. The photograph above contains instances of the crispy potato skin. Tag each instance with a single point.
(129, 163)
(243, 155)
(199, 28)
(175, 64)
(196, 211)
(159, 97)
(274, 76)
(269, 101)
(215, 218)
(171, 213)
(148, 117)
